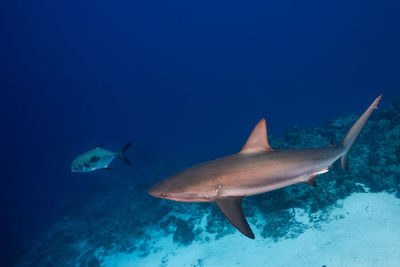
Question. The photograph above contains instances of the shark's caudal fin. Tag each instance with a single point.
(231, 207)
(121, 152)
(352, 134)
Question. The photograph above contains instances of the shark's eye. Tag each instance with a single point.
(163, 194)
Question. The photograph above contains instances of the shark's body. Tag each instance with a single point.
(256, 169)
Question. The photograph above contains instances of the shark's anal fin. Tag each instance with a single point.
(231, 207)
(258, 139)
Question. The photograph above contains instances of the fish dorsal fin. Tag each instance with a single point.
(231, 207)
(258, 139)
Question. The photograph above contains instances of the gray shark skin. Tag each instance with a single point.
(256, 169)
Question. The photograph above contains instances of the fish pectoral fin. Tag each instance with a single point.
(231, 207)
(107, 168)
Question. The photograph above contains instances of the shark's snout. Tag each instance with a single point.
(151, 191)
(156, 191)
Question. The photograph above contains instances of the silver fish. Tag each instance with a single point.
(256, 169)
(98, 158)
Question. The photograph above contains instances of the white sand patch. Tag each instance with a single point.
(368, 234)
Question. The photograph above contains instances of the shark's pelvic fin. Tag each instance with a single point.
(311, 181)
(313, 177)
(231, 207)
(258, 139)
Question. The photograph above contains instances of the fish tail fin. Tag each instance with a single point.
(121, 154)
(352, 134)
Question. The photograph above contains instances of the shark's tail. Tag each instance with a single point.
(121, 154)
(352, 134)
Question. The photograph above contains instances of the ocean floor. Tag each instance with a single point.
(363, 230)
(350, 219)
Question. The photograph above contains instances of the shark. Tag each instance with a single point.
(256, 169)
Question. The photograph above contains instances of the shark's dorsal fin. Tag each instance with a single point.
(231, 207)
(258, 139)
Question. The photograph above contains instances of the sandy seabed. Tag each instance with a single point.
(363, 230)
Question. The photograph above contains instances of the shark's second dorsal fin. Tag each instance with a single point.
(258, 139)
(231, 207)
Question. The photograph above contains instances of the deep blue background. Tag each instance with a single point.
(172, 76)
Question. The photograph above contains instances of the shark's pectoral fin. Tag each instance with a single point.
(231, 207)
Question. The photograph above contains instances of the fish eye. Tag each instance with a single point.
(163, 194)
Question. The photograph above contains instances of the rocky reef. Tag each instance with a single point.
(127, 220)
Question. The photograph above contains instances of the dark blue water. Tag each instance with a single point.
(172, 77)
